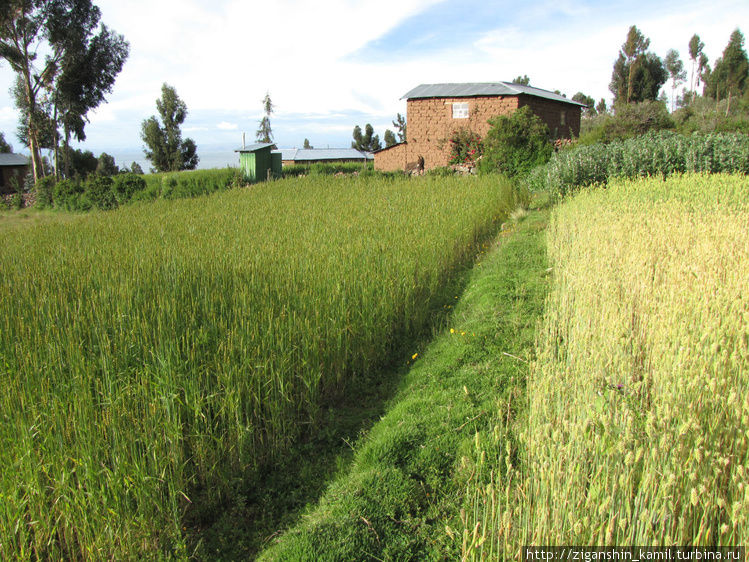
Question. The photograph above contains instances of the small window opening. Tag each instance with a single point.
(460, 110)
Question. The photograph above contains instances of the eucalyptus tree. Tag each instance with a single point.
(676, 72)
(400, 126)
(638, 74)
(730, 77)
(264, 132)
(40, 39)
(164, 145)
(698, 60)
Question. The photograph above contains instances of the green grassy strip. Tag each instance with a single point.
(404, 487)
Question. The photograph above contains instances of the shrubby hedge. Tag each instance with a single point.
(654, 154)
(109, 192)
(180, 185)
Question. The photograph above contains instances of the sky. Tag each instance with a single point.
(332, 64)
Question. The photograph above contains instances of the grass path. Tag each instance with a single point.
(401, 497)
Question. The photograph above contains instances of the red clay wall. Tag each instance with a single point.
(431, 124)
(391, 159)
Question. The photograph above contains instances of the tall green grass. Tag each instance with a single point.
(637, 413)
(152, 355)
(192, 183)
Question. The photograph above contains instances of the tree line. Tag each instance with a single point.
(639, 75)
(65, 61)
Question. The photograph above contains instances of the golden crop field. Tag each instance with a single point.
(164, 348)
(637, 426)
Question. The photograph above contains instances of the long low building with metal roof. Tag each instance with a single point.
(315, 155)
(435, 112)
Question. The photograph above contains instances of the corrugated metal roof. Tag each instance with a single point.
(311, 154)
(254, 147)
(474, 89)
(13, 160)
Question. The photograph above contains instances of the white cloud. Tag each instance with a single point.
(226, 126)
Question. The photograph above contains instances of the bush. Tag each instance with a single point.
(516, 144)
(16, 201)
(66, 195)
(465, 147)
(705, 115)
(43, 190)
(99, 192)
(655, 154)
(178, 185)
(124, 186)
(629, 120)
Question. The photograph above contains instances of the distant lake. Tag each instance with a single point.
(209, 158)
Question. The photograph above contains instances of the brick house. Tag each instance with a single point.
(435, 111)
(12, 166)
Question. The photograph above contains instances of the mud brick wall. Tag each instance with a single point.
(551, 112)
(431, 124)
(391, 159)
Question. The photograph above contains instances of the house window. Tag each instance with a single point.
(563, 118)
(460, 110)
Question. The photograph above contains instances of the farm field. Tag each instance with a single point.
(161, 351)
(634, 431)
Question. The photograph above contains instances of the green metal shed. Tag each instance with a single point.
(257, 160)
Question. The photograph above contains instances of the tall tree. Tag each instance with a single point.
(307, 145)
(390, 139)
(589, 102)
(23, 33)
(40, 117)
(106, 166)
(703, 71)
(87, 73)
(634, 47)
(165, 148)
(400, 127)
(601, 107)
(368, 142)
(82, 163)
(30, 28)
(638, 74)
(5, 148)
(522, 80)
(264, 132)
(676, 72)
(695, 51)
(730, 77)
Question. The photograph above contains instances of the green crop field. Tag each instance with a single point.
(162, 350)
(635, 431)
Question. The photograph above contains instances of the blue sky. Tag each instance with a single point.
(333, 64)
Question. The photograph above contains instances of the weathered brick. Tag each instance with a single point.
(431, 124)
